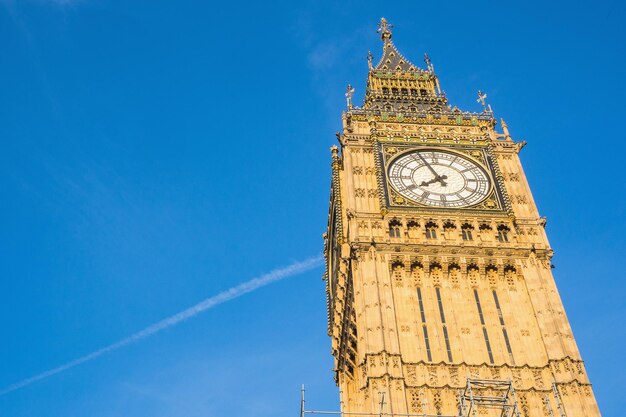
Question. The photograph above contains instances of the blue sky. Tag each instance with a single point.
(156, 153)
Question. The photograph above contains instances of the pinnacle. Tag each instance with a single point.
(392, 59)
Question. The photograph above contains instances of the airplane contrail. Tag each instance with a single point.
(230, 294)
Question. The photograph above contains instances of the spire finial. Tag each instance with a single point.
(428, 63)
(384, 28)
(505, 129)
(481, 99)
(370, 57)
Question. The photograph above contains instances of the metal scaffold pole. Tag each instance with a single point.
(546, 401)
(557, 397)
(479, 396)
(515, 407)
(461, 403)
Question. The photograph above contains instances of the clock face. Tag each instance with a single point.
(439, 178)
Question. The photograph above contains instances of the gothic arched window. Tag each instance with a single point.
(448, 226)
(466, 231)
(503, 233)
(431, 230)
(394, 228)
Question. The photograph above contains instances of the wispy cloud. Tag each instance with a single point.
(208, 303)
(331, 56)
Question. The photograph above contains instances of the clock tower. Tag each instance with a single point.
(441, 299)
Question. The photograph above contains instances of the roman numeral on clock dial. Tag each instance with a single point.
(439, 178)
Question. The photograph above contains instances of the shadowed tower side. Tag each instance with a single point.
(439, 282)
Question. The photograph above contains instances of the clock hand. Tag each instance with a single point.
(437, 176)
(427, 164)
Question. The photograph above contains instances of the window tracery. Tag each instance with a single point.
(472, 274)
(492, 274)
(394, 228)
(435, 273)
(454, 271)
(431, 230)
(416, 273)
(397, 271)
(503, 233)
(509, 274)
(467, 232)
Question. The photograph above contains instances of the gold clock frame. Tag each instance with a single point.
(496, 200)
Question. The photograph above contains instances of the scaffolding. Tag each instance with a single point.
(478, 395)
(381, 413)
(491, 394)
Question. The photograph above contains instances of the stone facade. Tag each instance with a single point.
(420, 298)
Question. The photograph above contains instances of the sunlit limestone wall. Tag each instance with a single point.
(422, 298)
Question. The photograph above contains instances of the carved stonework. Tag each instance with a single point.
(423, 293)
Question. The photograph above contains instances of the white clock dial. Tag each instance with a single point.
(439, 178)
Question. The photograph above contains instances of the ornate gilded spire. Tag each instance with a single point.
(398, 88)
(392, 59)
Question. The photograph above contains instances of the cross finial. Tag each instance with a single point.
(349, 94)
(481, 99)
(384, 28)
